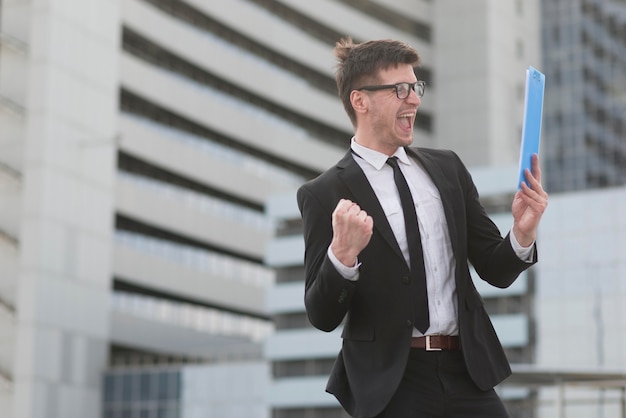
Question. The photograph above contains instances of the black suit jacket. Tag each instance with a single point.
(377, 308)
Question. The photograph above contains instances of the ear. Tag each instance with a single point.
(359, 101)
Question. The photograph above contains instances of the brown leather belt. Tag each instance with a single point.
(436, 342)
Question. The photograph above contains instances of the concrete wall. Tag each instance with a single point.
(67, 208)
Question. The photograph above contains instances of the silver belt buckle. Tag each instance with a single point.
(428, 346)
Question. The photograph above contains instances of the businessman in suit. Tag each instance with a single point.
(417, 341)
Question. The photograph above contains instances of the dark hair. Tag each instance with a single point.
(360, 64)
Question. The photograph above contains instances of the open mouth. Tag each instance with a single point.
(405, 121)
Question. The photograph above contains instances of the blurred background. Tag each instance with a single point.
(150, 245)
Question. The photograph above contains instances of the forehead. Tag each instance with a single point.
(397, 74)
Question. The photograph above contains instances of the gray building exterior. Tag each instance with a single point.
(581, 295)
(584, 58)
(134, 177)
(140, 141)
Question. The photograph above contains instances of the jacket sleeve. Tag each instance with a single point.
(327, 294)
(491, 255)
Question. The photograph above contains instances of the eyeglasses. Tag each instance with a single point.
(402, 89)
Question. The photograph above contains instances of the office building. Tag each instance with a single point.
(223, 389)
(584, 58)
(138, 147)
(140, 141)
(580, 296)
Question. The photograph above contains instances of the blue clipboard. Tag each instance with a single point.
(531, 128)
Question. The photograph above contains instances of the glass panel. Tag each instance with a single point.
(163, 389)
(145, 387)
(127, 387)
(109, 388)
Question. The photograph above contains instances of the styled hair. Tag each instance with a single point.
(360, 64)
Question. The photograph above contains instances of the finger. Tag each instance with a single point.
(534, 199)
(535, 188)
(530, 191)
(536, 172)
(345, 204)
(342, 206)
(362, 215)
(354, 209)
(532, 183)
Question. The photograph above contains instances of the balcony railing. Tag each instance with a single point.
(198, 259)
(193, 317)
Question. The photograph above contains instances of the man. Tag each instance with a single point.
(399, 301)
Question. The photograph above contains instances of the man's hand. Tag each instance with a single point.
(528, 206)
(352, 230)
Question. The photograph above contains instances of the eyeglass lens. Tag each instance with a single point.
(404, 89)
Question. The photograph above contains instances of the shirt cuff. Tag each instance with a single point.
(348, 273)
(523, 253)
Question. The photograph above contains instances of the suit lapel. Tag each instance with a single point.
(356, 181)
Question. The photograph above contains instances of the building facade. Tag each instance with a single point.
(584, 57)
(580, 287)
(581, 294)
(233, 390)
(140, 141)
(138, 149)
(58, 72)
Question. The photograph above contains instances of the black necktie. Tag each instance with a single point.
(421, 318)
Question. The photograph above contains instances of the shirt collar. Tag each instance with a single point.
(378, 159)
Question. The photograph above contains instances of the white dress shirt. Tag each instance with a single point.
(439, 260)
